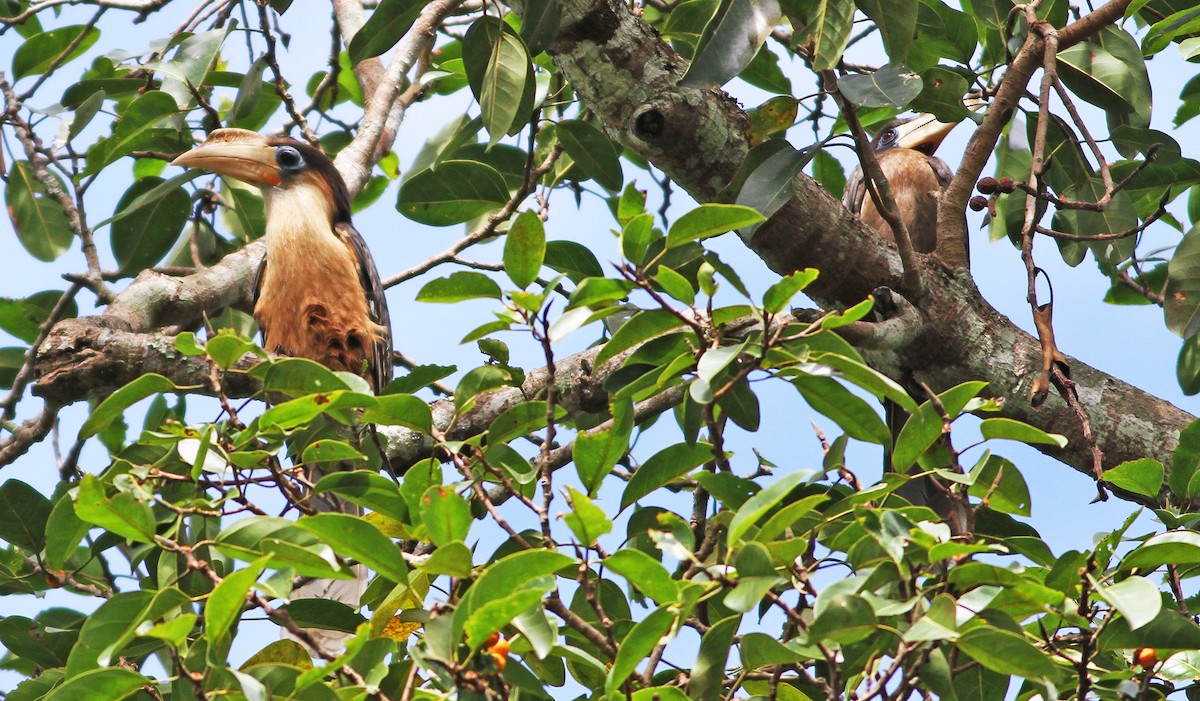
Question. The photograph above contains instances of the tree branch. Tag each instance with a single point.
(627, 76)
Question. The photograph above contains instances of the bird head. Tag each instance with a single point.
(922, 133)
(270, 162)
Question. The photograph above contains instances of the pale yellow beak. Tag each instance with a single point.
(925, 130)
(236, 153)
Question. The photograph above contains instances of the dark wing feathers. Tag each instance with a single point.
(368, 275)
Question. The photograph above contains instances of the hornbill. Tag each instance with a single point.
(904, 149)
(317, 294)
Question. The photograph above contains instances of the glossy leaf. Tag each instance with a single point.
(730, 41)
(524, 249)
(446, 514)
(53, 47)
(452, 193)
(1144, 476)
(461, 285)
(355, 537)
(664, 466)
(710, 220)
(40, 223)
(386, 25)
(24, 513)
(592, 151)
(122, 514)
(890, 86)
(142, 239)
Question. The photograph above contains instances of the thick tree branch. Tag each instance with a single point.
(627, 76)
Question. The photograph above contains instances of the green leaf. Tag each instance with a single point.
(843, 618)
(41, 225)
(641, 639)
(706, 681)
(502, 89)
(329, 450)
(1143, 476)
(498, 70)
(287, 544)
(494, 615)
(592, 151)
(1006, 652)
(188, 68)
(1165, 31)
(326, 614)
(890, 86)
(829, 25)
(24, 513)
(640, 328)
(39, 52)
(645, 573)
(586, 520)
(664, 466)
(572, 259)
(446, 514)
(1180, 548)
(675, 285)
(386, 25)
(848, 410)
(596, 452)
(353, 536)
(114, 625)
(451, 193)
(757, 506)
(23, 318)
(64, 531)
(769, 177)
(112, 684)
(897, 23)
(142, 239)
(1109, 72)
(1002, 484)
(730, 41)
(1012, 429)
(539, 24)
(453, 559)
(925, 425)
(225, 606)
(400, 410)
(710, 220)
(498, 579)
(464, 284)
(1137, 598)
(780, 294)
(135, 129)
(370, 490)
(124, 515)
(1181, 302)
(524, 249)
(1170, 630)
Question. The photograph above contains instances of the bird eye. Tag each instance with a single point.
(889, 136)
(289, 158)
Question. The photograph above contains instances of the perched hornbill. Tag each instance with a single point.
(318, 294)
(904, 149)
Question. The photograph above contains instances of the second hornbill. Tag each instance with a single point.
(904, 149)
(317, 294)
